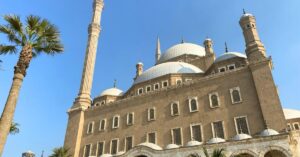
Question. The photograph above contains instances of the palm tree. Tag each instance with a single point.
(14, 128)
(60, 152)
(35, 37)
(216, 153)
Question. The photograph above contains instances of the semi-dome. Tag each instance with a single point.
(268, 132)
(151, 145)
(216, 140)
(193, 143)
(239, 137)
(181, 49)
(167, 68)
(172, 146)
(229, 55)
(106, 155)
(291, 114)
(112, 92)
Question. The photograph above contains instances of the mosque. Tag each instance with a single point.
(189, 100)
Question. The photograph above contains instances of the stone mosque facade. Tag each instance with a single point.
(189, 100)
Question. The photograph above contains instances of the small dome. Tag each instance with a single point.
(193, 143)
(268, 132)
(151, 145)
(106, 155)
(291, 114)
(229, 55)
(140, 63)
(181, 49)
(167, 68)
(120, 153)
(246, 15)
(112, 92)
(215, 140)
(239, 137)
(171, 146)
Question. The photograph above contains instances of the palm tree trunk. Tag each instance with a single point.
(9, 109)
(11, 102)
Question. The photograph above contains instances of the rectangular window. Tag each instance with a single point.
(241, 125)
(188, 79)
(114, 146)
(156, 86)
(116, 122)
(222, 69)
(165, 84)
(90, 128)
(151, 137)
(196, 132)
(151, 114)
(102, 125)
(218, 129)
(130, 118)
(148, 89)
(214, 100)
(100, 149)
(140, 91)
(235, 95)
(193, 104)
(231, 67)
(87, 150)
(176, 136)
(128, 143)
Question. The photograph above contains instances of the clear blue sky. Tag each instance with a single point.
(130, 28)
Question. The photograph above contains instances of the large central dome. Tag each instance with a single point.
(167, 68)
(181, 49)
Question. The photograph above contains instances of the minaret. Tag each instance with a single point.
(139, 69)
(260, 69)
(83, 101)
(255, 50)
(208, 44)
(158, 50)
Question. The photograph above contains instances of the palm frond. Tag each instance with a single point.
(218, 153)
(14, 128)
(60, 152)
(32, 24)
(205, 152)
(15, 23)
(11, 34)
(8, 49)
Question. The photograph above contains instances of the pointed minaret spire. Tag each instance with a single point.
(226, 47)
(158, 50)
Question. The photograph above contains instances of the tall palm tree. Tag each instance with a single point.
(34, 37)
(60, 152)
(14, 128)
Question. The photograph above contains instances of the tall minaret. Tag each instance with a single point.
(255, 49)
(157, 51)
(83, 101)
(84, 95)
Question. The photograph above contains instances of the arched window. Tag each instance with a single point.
(193, 105)
(116, 122)
(151, 114)
(235, 95)
(175, 109)
(90, 128)
(102, 125)
(214, 100)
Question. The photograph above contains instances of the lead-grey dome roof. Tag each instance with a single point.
(167, 68)
(181, 49)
